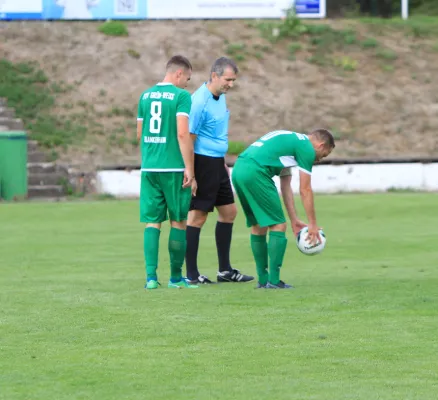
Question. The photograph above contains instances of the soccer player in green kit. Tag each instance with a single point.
(274, 154)
(167, 168)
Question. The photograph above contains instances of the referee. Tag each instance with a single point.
(208, 123)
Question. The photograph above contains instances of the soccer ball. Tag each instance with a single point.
(305, 247)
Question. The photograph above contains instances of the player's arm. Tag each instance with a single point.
(139, 129)
(306, 194)
(186, 145)
(140, 117)
(288, 200)
(185, 141)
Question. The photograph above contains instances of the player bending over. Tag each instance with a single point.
(274, 154)
(167, 168)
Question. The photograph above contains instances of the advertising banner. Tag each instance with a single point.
(228, 9)
(157, 9)
(94, 9)
(310, 8)
(21, 9)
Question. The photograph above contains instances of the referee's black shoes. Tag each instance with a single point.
(233, 276)
(201, 280)
(228, 276)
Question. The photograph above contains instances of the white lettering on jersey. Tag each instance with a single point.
(169, 96)
(152, 139)
(159, 95)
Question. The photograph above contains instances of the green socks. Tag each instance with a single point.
(276, 249)
(177, 251)
(150, 245)
(259, 249)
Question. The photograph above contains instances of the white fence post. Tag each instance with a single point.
(404, 9)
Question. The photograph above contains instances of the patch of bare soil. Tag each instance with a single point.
(387, 106)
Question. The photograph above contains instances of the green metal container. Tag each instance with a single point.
(13, 165)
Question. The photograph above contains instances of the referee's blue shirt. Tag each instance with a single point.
(209, 122)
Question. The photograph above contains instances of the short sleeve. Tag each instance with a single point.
(184, 104)
(140, 112)
(305, 156)
(196, 117)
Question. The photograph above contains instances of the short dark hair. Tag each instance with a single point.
(221, 64)
(179, 61)
(324, 136)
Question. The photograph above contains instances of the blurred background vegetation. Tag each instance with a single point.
(382, 8)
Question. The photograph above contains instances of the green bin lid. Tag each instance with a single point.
(13, 135)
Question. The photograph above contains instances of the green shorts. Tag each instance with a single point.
(257, 193)
(161, 193)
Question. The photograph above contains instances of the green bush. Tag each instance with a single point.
(235, 148)
(25, 87)
(113, 28)
(29, 93)
(369, 42)
(425, 7)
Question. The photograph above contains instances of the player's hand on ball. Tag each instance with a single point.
(297, 225)
(313, 234)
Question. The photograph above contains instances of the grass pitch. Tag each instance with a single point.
(362, 323)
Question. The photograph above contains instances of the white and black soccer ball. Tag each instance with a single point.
(305, 247)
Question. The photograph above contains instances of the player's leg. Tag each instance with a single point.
(223, 235)
(196, 220)
(208, 180)
(262, 198)
(153, 212)
(243, 175)
(269, 213)
(259, 247)
(178, 203)
(227, 212)
(276, 250)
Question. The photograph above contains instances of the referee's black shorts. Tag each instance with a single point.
(214, 185)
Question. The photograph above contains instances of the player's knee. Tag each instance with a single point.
(197, 218)
(233, 212)
(279, 227)
(258, 230)
(228, 213)
(179, 225)
(153, 225)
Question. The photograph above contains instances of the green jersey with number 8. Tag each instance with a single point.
(158, 108)
(282, 149)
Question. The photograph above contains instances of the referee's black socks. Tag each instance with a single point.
(224, 232)
(192, 235)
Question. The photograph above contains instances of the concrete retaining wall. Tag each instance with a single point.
(325, 179)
